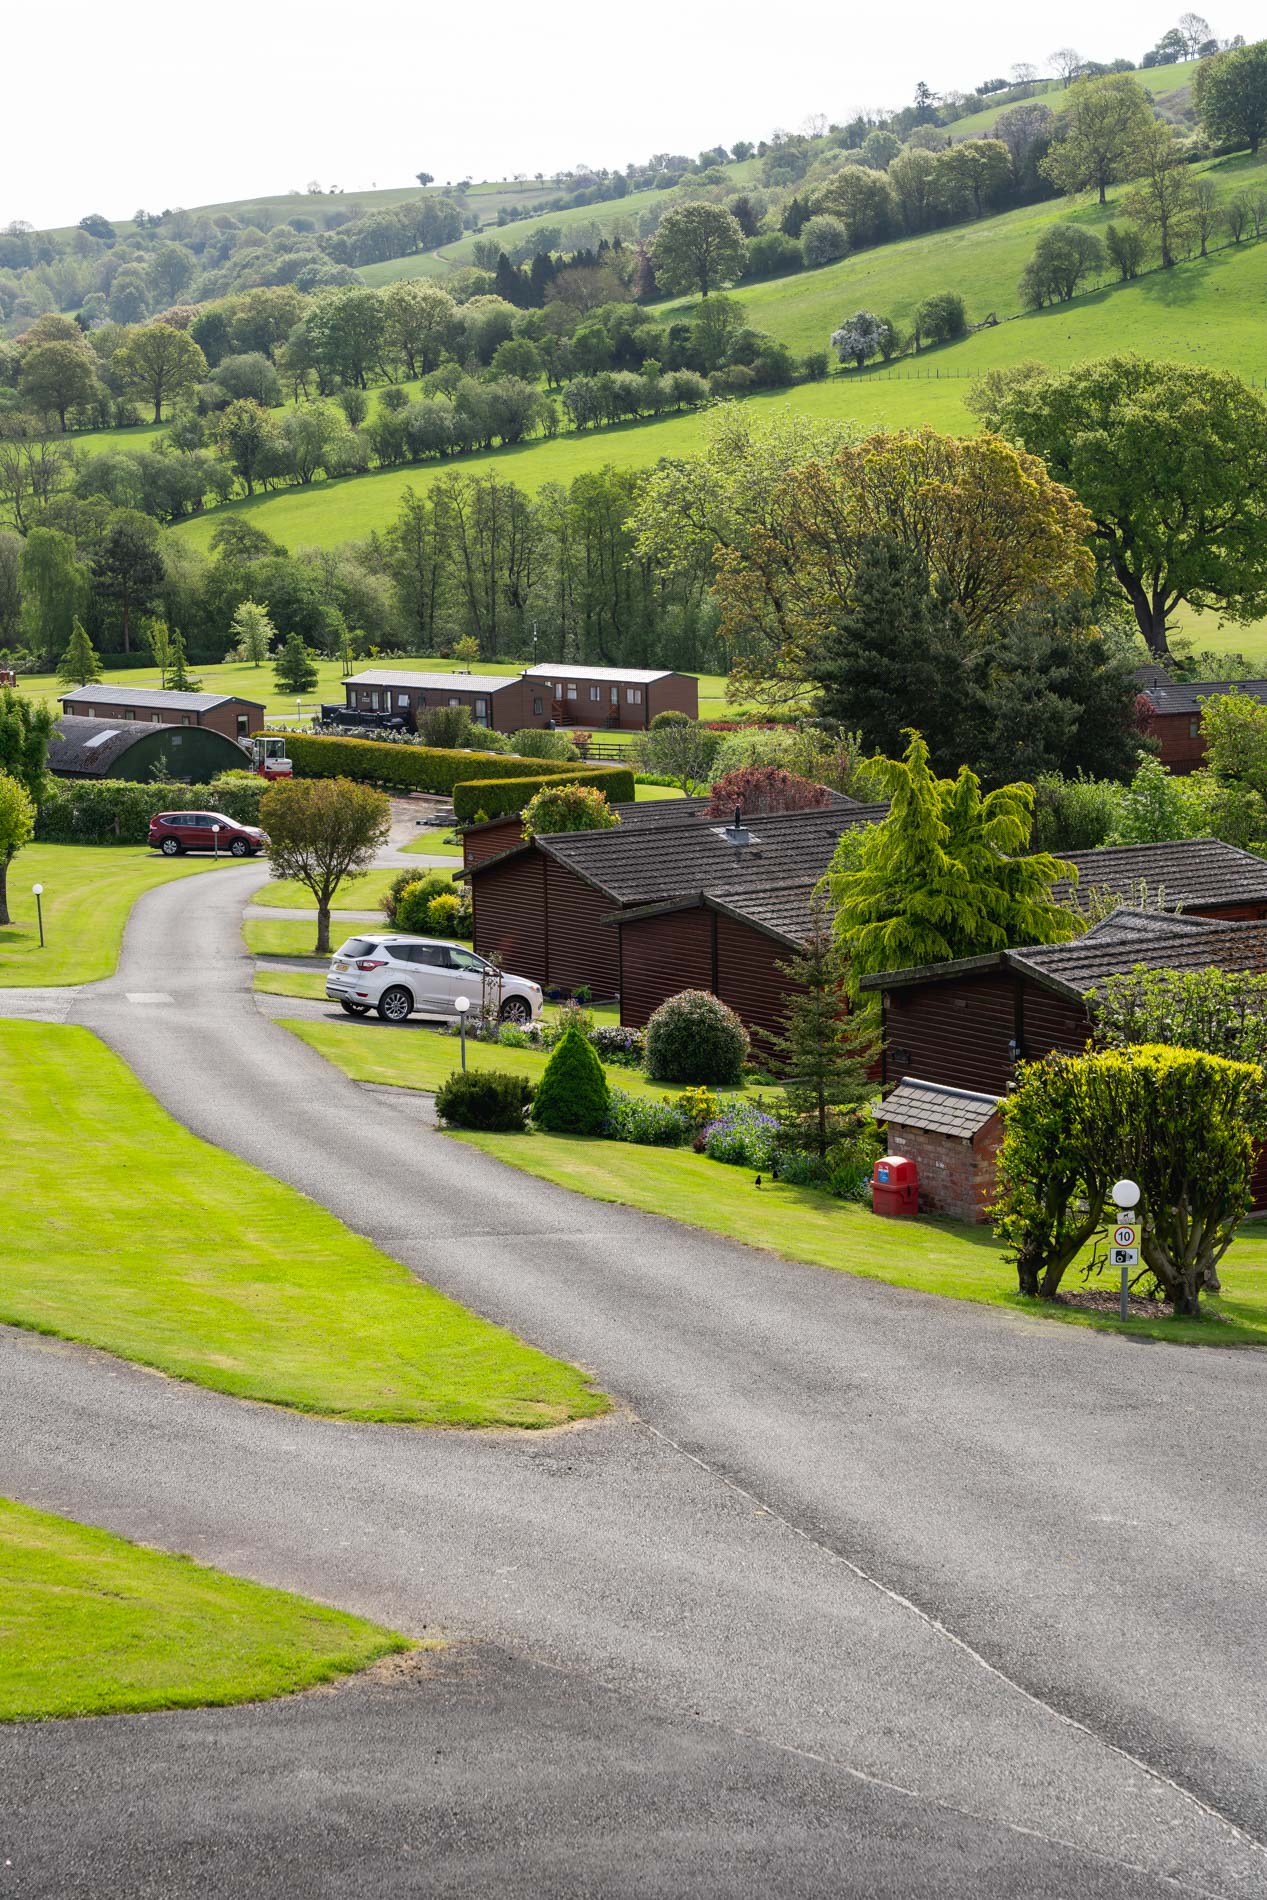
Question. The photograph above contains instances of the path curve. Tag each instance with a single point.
(985, 1566)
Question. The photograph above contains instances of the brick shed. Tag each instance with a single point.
(952, 1136)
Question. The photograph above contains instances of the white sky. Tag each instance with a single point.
(157, 103)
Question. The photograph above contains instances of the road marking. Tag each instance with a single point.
(148, 996)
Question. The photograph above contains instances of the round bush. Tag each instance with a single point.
(443, 913)
(824, 240)
(413, 906)
(568, 807)
(572, 1096)
(537, 742)
(670, 718)
(487, 1099)
(694, 1037)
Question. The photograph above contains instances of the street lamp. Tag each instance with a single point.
(462, 1004)
(1125, 1238)
(37, 891)
(215, 837)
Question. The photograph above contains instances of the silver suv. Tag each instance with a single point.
(398, 975)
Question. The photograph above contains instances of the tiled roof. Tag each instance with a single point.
(433, 682)
(942, 1111)
(617, 675)
(89, 747)
(149, 698)
(1123, 943)
(1185, 696)
(785, 911)
(1189, 874)
(639, 865)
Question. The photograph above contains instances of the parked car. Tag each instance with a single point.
(172, 832)
(397, 975)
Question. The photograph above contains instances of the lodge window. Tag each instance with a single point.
(596, 692)
(571, 689)
(242, 725)
(1194, 728)
(454, 700)
(402, 699)
(184, 719)
(538, 705)
(633, 695)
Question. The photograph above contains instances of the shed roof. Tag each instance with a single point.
(433, 682)
(1185, 696)
(1186, 875)
(631, 675)
(150, 698)
(87, 748)
(942, 1111)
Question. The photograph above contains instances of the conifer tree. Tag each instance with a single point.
(179, 678)
(295, 671)
(823, 1050)
(79, 663)
(572, 1095)
(940, 878)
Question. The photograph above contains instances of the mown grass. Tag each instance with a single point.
(432, 845)
(88, 893)
(124, 1231)
(91, 1624)
(357, 893)
(1161, 81)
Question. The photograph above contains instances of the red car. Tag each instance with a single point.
(172, 832)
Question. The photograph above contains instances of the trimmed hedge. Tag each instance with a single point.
(498, 798)
(416, 768)
(117, 811)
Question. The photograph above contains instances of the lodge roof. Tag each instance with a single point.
(621, 675)
(1183, 875)
(151, 699)
(783, 912)
(939, 1110)
(1165, 695)
(433, 682)
(87, 748)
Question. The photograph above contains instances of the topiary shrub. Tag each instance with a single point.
(568, 808)
(695, 1037)
(670, 718)
(487, 1099)
(572, 1096)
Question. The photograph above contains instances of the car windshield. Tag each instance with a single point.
(357, 947)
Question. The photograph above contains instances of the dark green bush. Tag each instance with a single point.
(497, 800)
(694, 1037)
(117, 811)
(572, 1096)
(670, 717)
(486, 1099)
(419, 767)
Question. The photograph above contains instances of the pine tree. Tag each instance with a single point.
(823, 1050)
(179, 678)
(572, 1095)
(295, 671)
(79, 663)
(939, 878)
(253, 633)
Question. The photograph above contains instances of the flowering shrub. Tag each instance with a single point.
(694, 1037)
(699, 1105)
(637, 1118)
(613, 1043)
(745, 1136)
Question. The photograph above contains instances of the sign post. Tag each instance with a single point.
(1124, 1247)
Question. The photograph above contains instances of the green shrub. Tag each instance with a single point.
(568, 807)
(421, 768)
(745, 1137)
(670, 718)
(695, 1037)
(538, 742)
(116, 811)
(401, 882)
(486, 1099)
(413, 906)
(638, 1118)
(498, 798)
(443, 913)
(572, 1096)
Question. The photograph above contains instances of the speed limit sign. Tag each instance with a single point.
(1125, 1236)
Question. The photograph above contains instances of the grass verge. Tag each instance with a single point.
(131, 1235)
(358, 893)
(433, 844)
(91, 1624)
(89, 890)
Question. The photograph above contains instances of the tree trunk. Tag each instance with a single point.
(158, 408)
(1103, 194)
(323, 931)
(6, 860)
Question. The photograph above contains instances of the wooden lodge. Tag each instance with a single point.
(226, 713)
(1171, 713)
(596, 697)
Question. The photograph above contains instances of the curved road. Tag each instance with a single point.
(859, 1591)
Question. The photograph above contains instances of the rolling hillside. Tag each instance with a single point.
(1168, 85)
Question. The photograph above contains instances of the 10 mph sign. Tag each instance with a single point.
(1124, 1251)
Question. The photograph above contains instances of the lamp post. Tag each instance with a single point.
(1125, 1251)
(462, 1004)
(215, 836)
(37, 891)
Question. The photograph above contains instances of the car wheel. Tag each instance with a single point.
(516, 1009)
(240, 848)
(354, 1009)
(170, 847)
(394, 1005)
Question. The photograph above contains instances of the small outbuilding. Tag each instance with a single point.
(1172, 713)
(953, 1137)
(179, 755)
(226, 713)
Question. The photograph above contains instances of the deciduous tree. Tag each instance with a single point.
(160, 364)
(698, 247)
(26, 727)
(1099, 129)
(1232, 95)
(322, 831)
(58, 377)
(1160, 200)
(17, 827)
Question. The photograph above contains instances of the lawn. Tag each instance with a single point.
(358, 893)
(434, 844)
(928, 1256)
(370, 1051)
(290, 936)
(88, 891)
(125, 1232)
(310, 984)
(91, 1624)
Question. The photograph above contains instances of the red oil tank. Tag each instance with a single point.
(895, 1187)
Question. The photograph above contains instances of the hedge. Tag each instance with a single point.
(498, 797)
(418, 768)
(118, 811)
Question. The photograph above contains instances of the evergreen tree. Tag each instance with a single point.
(252, 632)
(79, 663)
(823, 1050)
(572, 1095)
(179, 678)
(938, 879)
(295, 671)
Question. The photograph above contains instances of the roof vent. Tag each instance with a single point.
(736, 834)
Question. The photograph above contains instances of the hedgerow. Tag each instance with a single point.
(117, 811)
(498, 799)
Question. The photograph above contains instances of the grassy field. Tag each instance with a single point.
(358, 893)
(928, 1256)
(431, 846)
(229, 1279)
(1163, 82)
(370, 1051)
(88, 892)
(289, 937)
(91, 1624)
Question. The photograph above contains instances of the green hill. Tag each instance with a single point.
(1167, 84)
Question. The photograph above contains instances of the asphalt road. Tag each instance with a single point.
(860, 1591)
